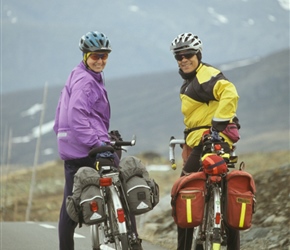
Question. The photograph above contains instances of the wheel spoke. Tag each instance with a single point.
(209, 223)
(121, 240)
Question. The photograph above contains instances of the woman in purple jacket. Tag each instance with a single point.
(82, 120)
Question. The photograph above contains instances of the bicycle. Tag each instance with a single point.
(117, 231)
(211, 234)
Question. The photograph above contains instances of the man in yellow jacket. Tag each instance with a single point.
(208, 102)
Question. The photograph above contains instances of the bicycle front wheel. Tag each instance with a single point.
(117, 228)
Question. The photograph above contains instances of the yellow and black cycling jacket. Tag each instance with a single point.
(208, 96)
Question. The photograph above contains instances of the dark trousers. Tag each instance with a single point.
(66, 225)
(184, 236)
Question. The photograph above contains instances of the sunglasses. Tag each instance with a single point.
(179, 57)
(99, 56)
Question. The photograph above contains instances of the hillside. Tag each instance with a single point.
(149, 107)
(270, 222)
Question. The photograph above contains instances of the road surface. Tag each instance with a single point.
(43, 236)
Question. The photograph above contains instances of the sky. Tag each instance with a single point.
(39, 41)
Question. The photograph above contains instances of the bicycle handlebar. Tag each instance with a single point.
(206, 140)
(94, 151)
(124, 143)
(172, 144)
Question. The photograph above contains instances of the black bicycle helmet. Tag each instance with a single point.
(95, 41)
(186, 41)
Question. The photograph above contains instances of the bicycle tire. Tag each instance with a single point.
(120, 239)
(97, 236)
(209, 222)
(212, 234)
(196, 239)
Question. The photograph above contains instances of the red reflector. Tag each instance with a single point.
(215, 178)
(94, 206)
(217, 218)
(104, 182)
(217, 147)
(121, 215)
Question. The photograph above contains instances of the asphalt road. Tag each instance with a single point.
(43, 235)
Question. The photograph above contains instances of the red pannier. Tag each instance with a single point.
(240, 199)
(188, 199)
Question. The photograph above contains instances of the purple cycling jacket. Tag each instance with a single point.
(82, 114)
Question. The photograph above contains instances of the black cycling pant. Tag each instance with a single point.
(66, 226)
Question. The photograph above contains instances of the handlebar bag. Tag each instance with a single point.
(213, 164)
(240, 199)
(142, 192)
(86, 204)
(188, 199)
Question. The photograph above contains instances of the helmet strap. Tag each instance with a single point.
(199, 56)
(85, 58)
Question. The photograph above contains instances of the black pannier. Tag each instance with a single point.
(86, 205)
(142, 192)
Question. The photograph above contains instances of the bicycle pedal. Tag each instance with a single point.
(136, 244)
(224, 243)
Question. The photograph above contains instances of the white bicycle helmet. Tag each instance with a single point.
(186, 41)
(95, 41)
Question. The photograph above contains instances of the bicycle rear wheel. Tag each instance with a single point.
(196, 240)
(211, 233)
(120, 239)
(97, 235)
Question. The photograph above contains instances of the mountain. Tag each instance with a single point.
(148, 106)
(40, 38)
